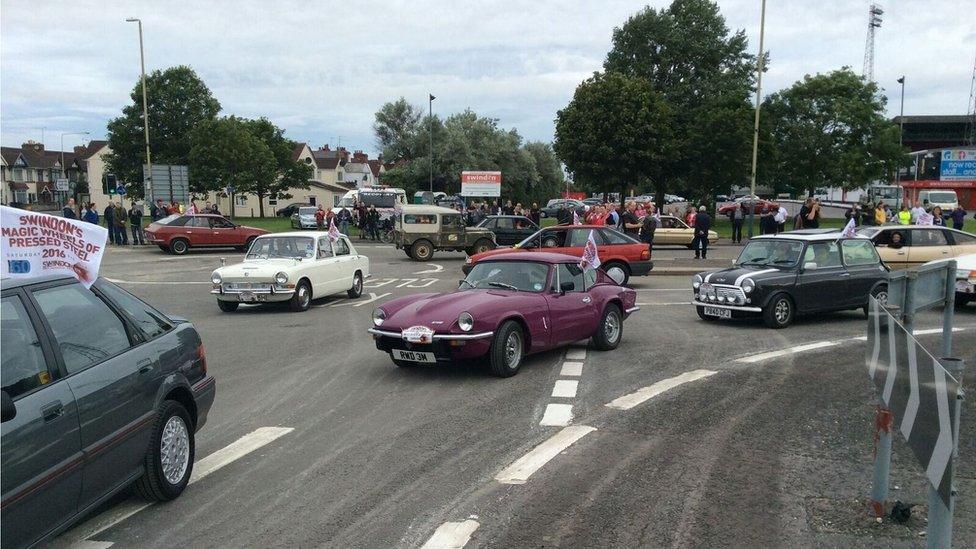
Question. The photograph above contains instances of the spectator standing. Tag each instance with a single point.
(69, 210)
(320, 217)
(372, 221)
(345, 217)
(780, 218)
(563, 215)
(649, 226)
(629, 220)
(534, 213)
(737, 217)
(90, 214)
(958, 216)
(703, 224)
(110, 222)
(905, 215)
(157, 211)
(135, 223)
(214, 210)
(690, 216)
(613, 217)
(880, 214)
(937, 218)
(120, 218)
(917, 211)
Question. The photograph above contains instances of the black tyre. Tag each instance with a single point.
(228, 306)
(779, 312)
(962, 301)
(302, 299)
(507, 350)
(406, 251)
(481, 246)
(357, 286)
(179, 246)
(611, 329)
(881, 294)
(169, 459)
(702, 315)
(422, 250)
(617, 271)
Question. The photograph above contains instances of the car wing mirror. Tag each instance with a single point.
(566, 287)
(810, 266)
(8, 410)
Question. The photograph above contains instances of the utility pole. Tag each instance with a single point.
(755, 130)
(430, 125)
(901, 126)
(147, 179)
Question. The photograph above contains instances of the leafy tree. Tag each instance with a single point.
(616, 131)
(224, 153)
(829, 130)
(289, 173)
(687, 53)
(177, 101)
(396, 124)
(552, 180)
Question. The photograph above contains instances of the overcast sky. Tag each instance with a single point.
(322, 69)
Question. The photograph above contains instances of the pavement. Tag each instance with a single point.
(690, 434)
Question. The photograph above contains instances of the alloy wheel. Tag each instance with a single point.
(174, 450)
(611, 328)
(782, 311)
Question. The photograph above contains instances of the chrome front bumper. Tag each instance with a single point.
(435, 337)
(742, 308)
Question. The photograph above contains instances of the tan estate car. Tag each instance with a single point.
(674, 231)
(903, 246)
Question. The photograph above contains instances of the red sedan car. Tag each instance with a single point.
(621, 256)
(749, 203)
(179, 233)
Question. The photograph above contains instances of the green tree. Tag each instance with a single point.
(552, 180)
(687, 53)
(225, 153)
(289, 173)
(615, 132)
(177, 101)
(829, 130)
(397, 125)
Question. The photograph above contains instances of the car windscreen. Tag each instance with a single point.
(532, 241)
(267, 247)
(522, 276)
(378, 200)
(307, 211)
(775, 253)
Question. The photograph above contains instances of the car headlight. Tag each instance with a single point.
(379, 315)
(215, 278)
(465, 322)
(467, 260)
(281, 278)
(696, 281)
(748, 285)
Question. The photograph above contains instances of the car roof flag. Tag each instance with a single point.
(590, 259)
(849, 229)
(576, 219)
(333, 231)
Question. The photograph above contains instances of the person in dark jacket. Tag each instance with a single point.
(135, 222)
(157, 211)
(120, 217)
(703, 224)
(110, 221)
(69, 210)
(958, 218)
(91, 214)
(372, 222)
(535, 216)
(564, 216)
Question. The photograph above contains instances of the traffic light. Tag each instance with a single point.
(109, 183)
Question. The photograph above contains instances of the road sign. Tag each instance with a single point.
(170, 182)
(229, 189)
(918, 390)
(958, 165)
(61, 185)
(120, 190)
(481, 184)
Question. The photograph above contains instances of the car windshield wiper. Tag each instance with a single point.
(503, 285)
(782, 261)
(757, 261)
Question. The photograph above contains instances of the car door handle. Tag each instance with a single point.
(145, 365)
(587, 299)
(52, 411)
(945, 252)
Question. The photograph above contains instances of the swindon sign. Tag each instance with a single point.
(481, 184)
(36, 244)
(958, 165)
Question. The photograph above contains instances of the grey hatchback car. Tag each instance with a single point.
(100, 390)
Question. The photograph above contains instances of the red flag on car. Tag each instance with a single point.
(590, 259)
(333, 231)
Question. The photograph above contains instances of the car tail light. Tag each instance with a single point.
(646, 254)
(202, 357)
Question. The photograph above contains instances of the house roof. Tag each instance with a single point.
(48, 159)
(327, 160)
(375, 166)
(328, 186)
(296, 152)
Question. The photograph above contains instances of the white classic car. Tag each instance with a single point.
(294, 267)
(965, 278)
(304, 218)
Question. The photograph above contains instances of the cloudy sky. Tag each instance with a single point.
(321, 69)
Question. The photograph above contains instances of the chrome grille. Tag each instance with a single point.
(730, 292)
(237, 286)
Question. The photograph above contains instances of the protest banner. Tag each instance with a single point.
(36, 244)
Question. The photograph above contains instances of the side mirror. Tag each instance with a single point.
(810, 266)
(7, 409)
(566, 287)
(460, 282)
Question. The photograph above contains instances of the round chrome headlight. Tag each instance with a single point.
(465, 321)
(215, 278)
(748, 285)
(281, 278)
(696, 281)
(379, 315)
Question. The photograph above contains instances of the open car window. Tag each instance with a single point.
(859, 252)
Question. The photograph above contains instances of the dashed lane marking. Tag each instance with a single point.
(565, 388)
(557, 415)
(574, 369)
(783, 352)
(576, 354)
(524, 467)
(627, 402)
(928, 331)
(202, 468)
(452, 535)
(356, 302)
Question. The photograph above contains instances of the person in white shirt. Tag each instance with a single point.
(780, 218)
(917, 211)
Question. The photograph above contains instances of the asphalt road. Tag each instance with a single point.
(753, 453)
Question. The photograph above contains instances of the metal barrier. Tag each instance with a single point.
(921, 396)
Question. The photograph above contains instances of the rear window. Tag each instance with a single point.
(929, 237)
(307, 211)
(614, 237)
(963, 239)
(24, 368)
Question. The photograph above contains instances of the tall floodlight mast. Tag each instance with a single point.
(874, 22)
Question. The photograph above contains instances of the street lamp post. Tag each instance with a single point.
(901, 126)
(64, 171)
(755, 136)
(430, 126)
(147, 189)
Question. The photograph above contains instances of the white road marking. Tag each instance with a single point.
(521, 469)
(85, 544)
(659, 304)
(359, 302)
(451, 535)
(202, 468)
(627, 402)
(576, 354)
(154, 282)
(783, 352)
(436, 269)
(565, 388)
(572, 369)
(928, 331)
(557, 415)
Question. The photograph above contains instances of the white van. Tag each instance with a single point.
(947, 200)
(384, 199)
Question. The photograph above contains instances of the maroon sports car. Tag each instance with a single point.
(510, 305)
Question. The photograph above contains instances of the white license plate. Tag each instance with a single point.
(719, 312)
(414, 356)
(249, 296)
